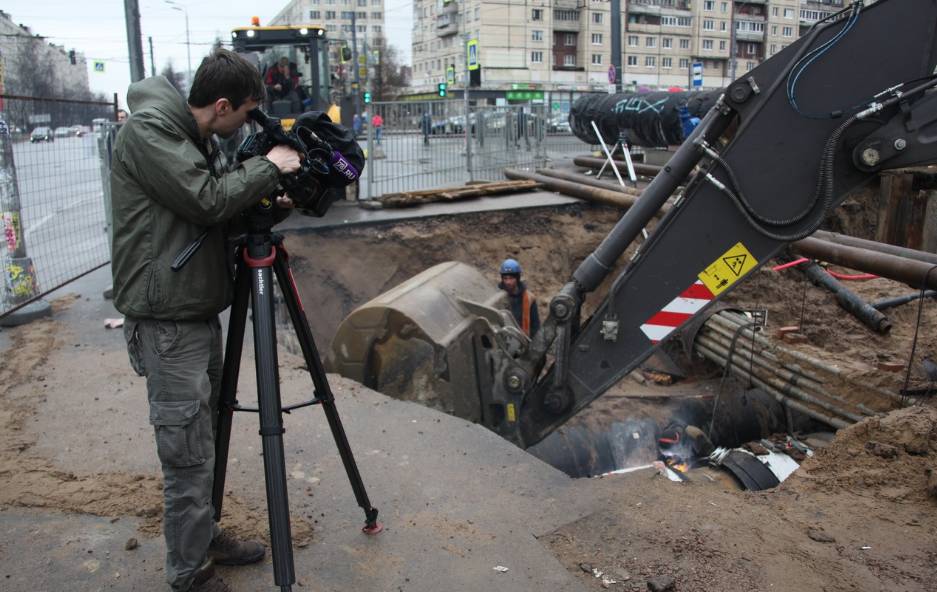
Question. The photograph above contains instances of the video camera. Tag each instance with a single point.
(329, 157)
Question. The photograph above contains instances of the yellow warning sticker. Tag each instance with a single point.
(728, 269)
(512, 413)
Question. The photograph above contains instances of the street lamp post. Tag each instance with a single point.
(188, 44)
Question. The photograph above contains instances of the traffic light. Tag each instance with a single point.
(345, 54)
(72, 58)
(442, 89)
(367, 97)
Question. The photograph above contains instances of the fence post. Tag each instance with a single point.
(19, 274)
(468, 136)
(372, 161)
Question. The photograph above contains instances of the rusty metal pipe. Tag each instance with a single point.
(591, 181)
(594, 194)
(780, 397)
(787, 388)
(900, 269)
(591, 162)
(851, 241)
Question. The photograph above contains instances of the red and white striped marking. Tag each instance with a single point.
(677, 312)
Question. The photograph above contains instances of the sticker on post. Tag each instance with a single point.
(730, 267)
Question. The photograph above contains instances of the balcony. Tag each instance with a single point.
(447, 24)
(657, 7)
(750, 36)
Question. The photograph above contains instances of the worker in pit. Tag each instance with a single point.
(523, 303)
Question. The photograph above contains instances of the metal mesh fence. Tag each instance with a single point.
(422, 145)
(51, 194)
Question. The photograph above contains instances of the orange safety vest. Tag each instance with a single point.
(526, 299)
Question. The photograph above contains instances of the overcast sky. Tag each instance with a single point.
(98, 30)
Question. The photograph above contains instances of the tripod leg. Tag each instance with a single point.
(229, 383)
(271, 421)
(323, 390)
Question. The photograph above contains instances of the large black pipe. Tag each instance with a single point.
(647, 119)
(846, 298)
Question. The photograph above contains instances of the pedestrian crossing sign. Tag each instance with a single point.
(473, 54)
(98, 66)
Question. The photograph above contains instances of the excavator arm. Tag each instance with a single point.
(782, 147)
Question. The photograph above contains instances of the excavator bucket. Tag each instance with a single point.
(424, 340)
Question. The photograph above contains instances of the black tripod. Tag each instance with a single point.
(260, 255)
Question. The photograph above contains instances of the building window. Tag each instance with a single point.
(775, 11)
(536, 14)
(666, 63)
(347, 15)
(749, 66)
(684, 63)
(536, 57)
(722, 26)
(668, 21)
(684, 21)
(724, 7)
(377, 15)
(596, 39)
(667, 42)
(722, 45)
(707, 44)
(774, 29)
(597, 59)
(362, 2)
(315, 15)
(684, 44)
(708, 5)
(650, 42)
(774, 48)
(566, 15)
(536, 35)
(788, 13)
(650, 61)
(709, 25)
(569, 39)
(477, 13)
(376, 28)
(362, 28)
(751, 48)
(632, 60)
(569, 60)
(787, 32)
(597, 18)
(632, 40)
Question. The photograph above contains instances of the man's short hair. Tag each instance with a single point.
(224, 74)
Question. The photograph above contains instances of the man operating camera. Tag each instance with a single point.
(168, 189)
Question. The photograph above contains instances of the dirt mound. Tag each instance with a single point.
(887, 457)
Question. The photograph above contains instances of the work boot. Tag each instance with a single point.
(227, 550)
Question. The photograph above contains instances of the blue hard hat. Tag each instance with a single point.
(510, 267)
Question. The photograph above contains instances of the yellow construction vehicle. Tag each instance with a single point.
(305, 49)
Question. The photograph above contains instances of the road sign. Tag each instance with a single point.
(98, 66)
(697, 74)
(612, 74)
(472, 54)
(450, 74)
(38, 118)
(362, 72)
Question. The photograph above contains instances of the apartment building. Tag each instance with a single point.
(336, 16)
(65, 70)
(565, 44)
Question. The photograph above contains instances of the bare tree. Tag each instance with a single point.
(176, 79)
(390, 76)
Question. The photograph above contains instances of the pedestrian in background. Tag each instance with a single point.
(378, 122)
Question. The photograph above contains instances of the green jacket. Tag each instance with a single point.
(166, 193)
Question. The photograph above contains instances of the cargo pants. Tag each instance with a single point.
(182, 363)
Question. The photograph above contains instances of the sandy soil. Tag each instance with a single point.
(848, 520)
(33, 481)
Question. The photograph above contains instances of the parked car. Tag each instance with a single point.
(559, 123)
(41, 134)
(77, 131)
(64, 132)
